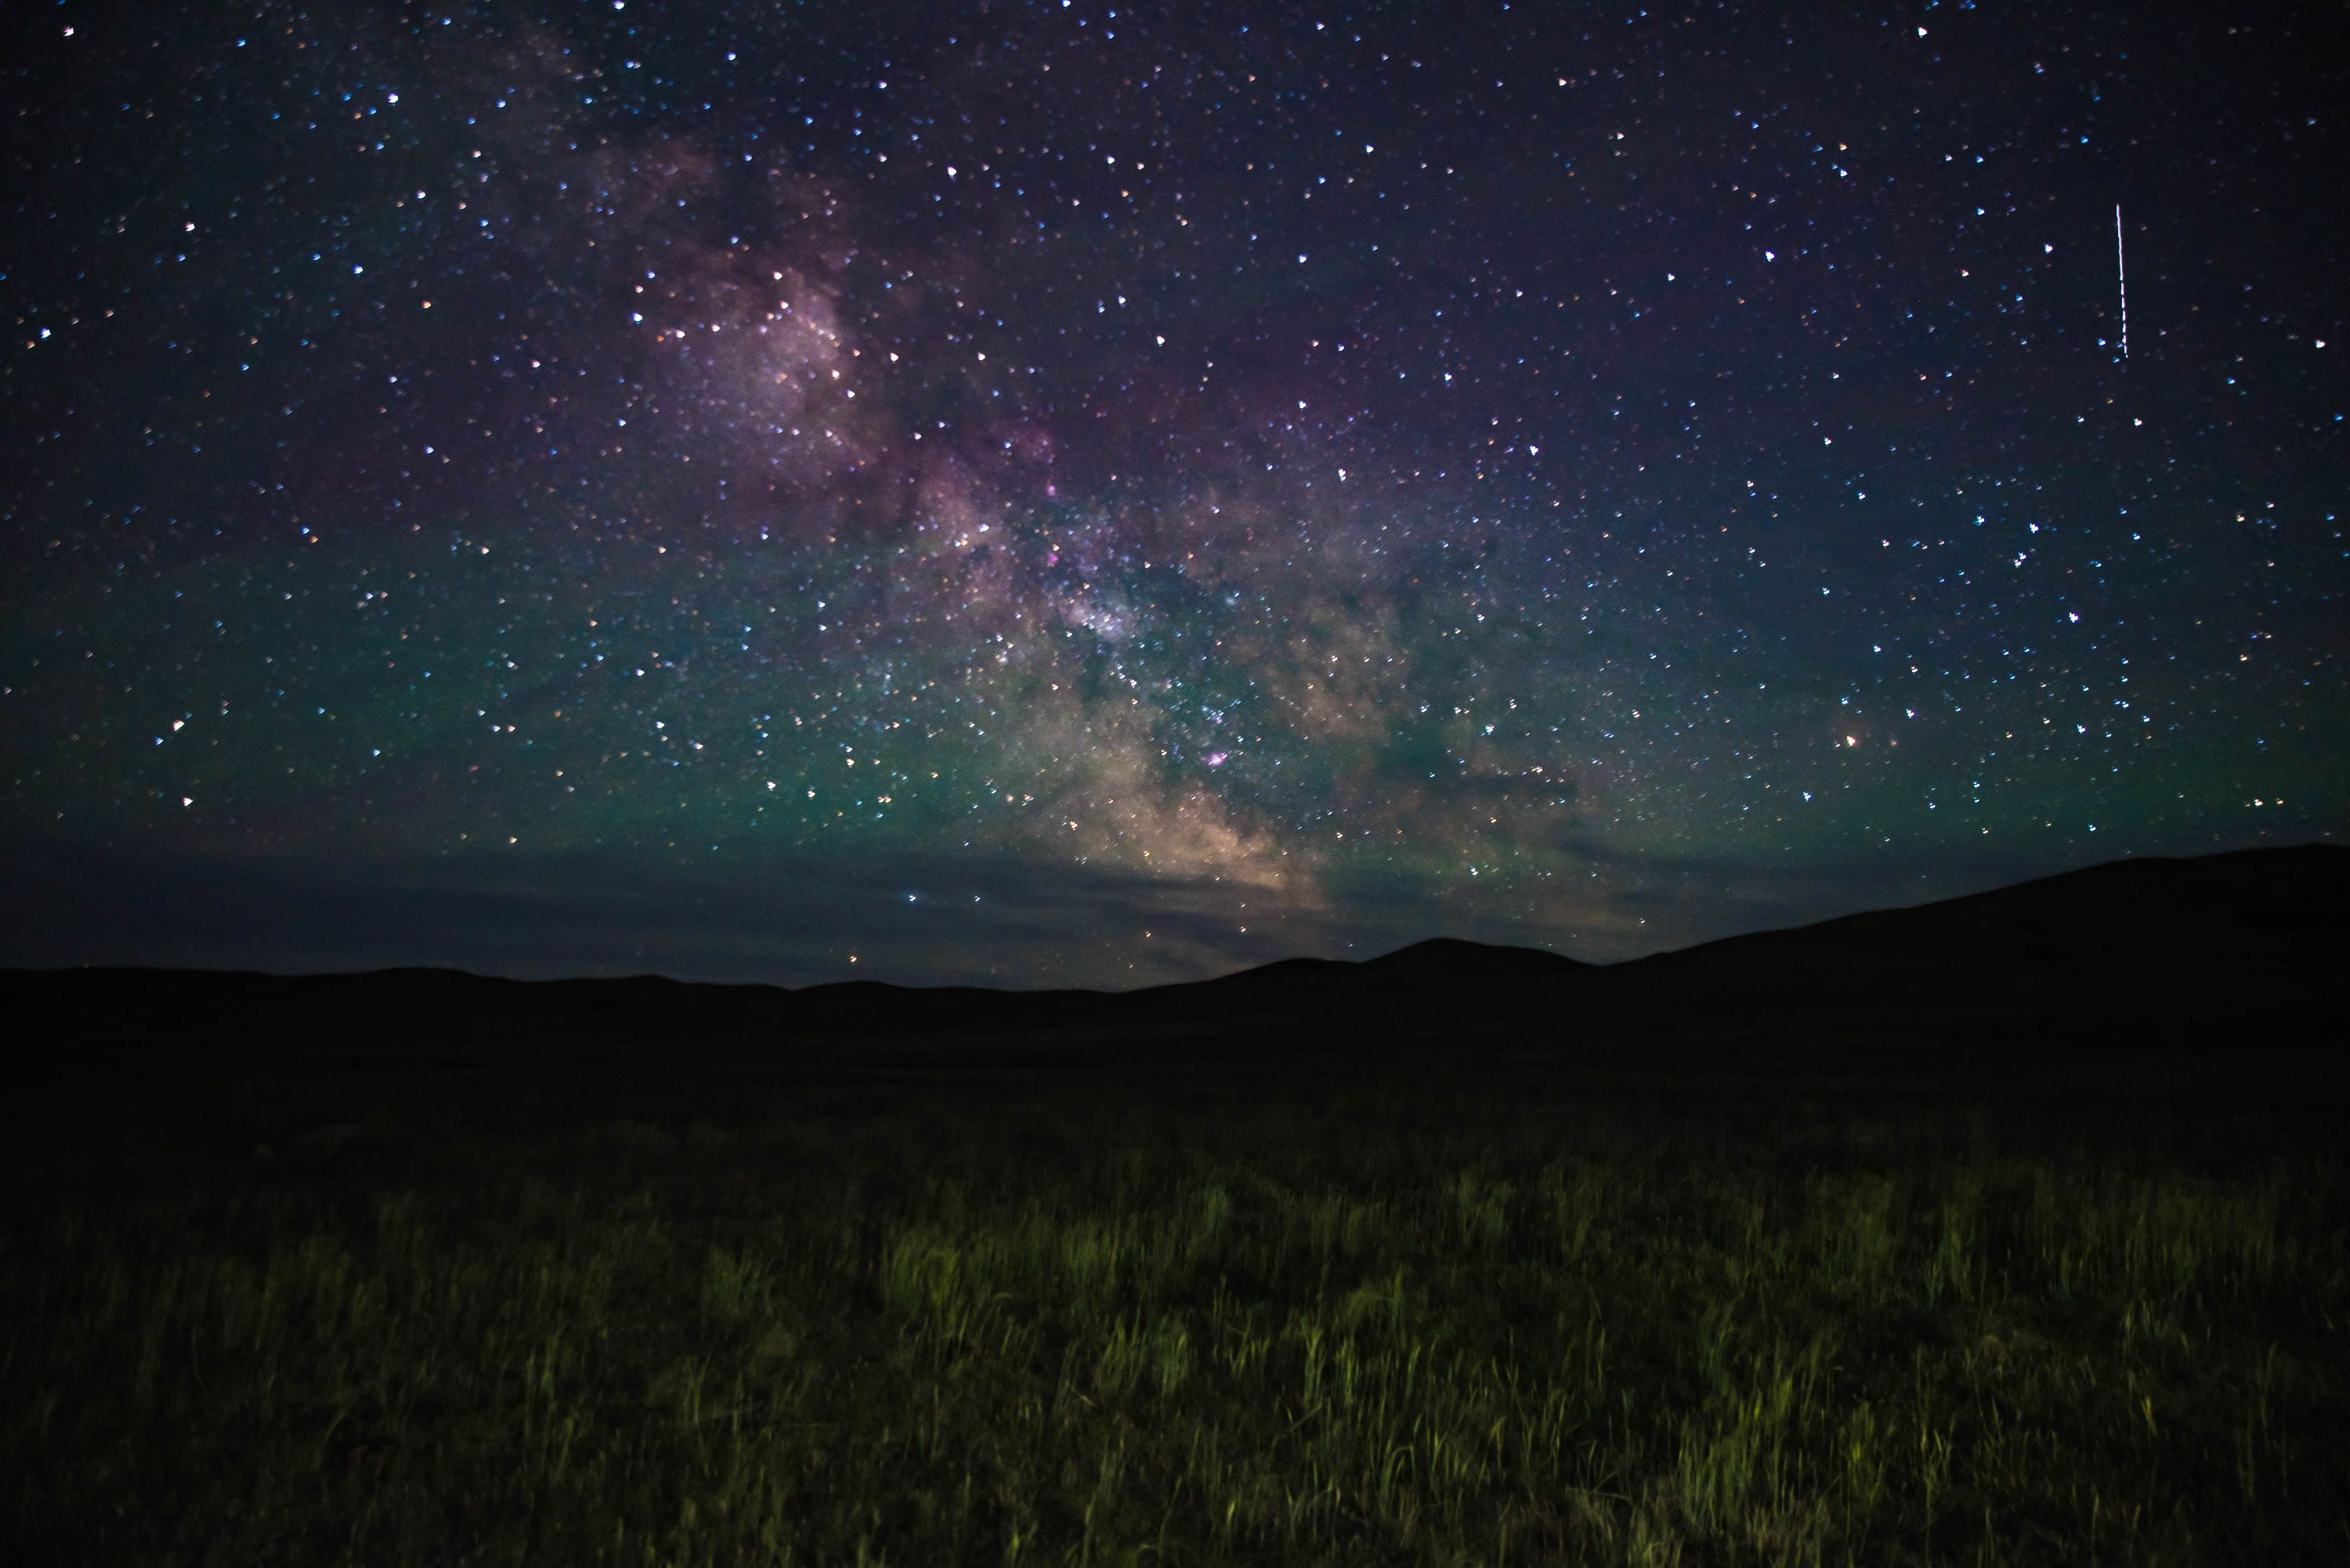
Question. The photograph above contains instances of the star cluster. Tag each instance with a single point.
(1055, 492)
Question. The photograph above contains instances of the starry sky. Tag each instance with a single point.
(1060, 494)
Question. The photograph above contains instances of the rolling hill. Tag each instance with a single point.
(2245, 945)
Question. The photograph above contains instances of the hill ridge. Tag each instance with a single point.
(2237, 941)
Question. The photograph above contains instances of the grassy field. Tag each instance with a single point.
(936, 1323)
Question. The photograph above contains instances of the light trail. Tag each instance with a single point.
(2121, 271)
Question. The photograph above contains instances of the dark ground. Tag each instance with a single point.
(2121, 1089)
(2184, 991)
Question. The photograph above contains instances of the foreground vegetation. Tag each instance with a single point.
(1089, 1328)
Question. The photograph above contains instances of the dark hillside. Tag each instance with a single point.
(2244, 947)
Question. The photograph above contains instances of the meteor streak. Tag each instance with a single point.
(2121, 271)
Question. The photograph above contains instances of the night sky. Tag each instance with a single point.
(1051, 493)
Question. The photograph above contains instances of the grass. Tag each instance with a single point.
(920, 1325)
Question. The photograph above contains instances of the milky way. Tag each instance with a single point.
(1055, 495)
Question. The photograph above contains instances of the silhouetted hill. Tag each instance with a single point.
(2231, 948)
(2250, 941)
(1449, 958)
(1443, 967)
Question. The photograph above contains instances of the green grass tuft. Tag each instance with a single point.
(1119, 1333)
